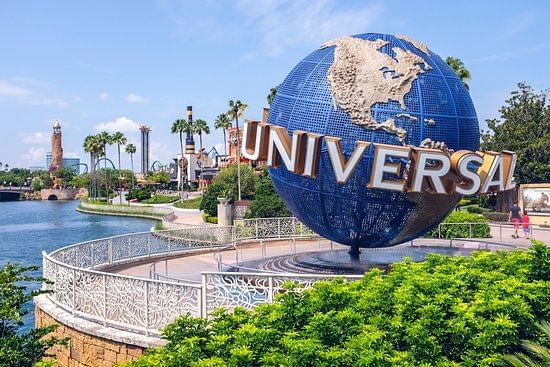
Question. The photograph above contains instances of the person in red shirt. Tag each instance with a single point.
(525, 224)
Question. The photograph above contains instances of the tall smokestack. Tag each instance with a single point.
(189, 142)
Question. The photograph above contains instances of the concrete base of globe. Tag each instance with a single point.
(350, 261)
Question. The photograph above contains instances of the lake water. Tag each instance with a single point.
(29, 227)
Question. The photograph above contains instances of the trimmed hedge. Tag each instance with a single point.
(445, 312)
(496, 216)
(479, 226)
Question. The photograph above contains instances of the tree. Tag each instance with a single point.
(225, 184)
(131, 149)
(94, 147)
(119, 139)
(267, 202)
(223, 122)
(20, 348)
(66, 174)
(105, 139)
(271, 96)
(236, 110)
(199, 127)
(523, 127)
(460, 69)
(179, 127)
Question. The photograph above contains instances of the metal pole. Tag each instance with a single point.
(74, 289)
(104, 300)
(470, 230)
(146, 305)
(270, 289)
(203, 296)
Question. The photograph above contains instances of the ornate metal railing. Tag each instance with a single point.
(82, 286)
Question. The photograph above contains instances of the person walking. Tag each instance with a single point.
(515, 217)
(525, 223)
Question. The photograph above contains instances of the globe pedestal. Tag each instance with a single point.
(344, 262)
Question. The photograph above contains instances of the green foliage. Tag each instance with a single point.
(267, 202)
(82, 180)
(460, 69)
(160, 177)
(523, 127)
(540, 267)
(161, 199)
(17, 348)
(496, 216)
(538, 354)
(209, 219)
(194, 203)
(158, 225)
(226, 184)
(476, 209)
(479, 226)
(445, 311)
(139, 193)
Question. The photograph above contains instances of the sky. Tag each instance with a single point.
(114, 65)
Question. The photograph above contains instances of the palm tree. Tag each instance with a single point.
(460, 69)
(199, 127)
(106, 139)
(537, 354)
(131, 149)
(271, 96)
(236, 110)
(179, 127)
(94, 147)
(119, 139)
(223, 122)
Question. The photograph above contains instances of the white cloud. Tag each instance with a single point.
(76, 99)
(38, 137)
(122, 124)
(104, 96)
(283, 24)
(161, 152)
(134, 98)
(10, 90)
(34, 155)
(58, 102)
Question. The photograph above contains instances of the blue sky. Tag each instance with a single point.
(115, 64)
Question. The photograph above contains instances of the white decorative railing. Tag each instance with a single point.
(81, 285)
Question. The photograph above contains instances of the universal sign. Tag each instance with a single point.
(427, 170)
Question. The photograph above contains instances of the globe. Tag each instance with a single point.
(377, 88)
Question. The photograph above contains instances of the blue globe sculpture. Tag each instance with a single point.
(353, 88)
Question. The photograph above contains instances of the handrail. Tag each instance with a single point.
(82, 287)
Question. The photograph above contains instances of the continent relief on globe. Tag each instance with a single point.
(361, 76)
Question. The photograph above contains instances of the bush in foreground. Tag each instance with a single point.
(461, 311)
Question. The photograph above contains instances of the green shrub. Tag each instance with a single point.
(496, 216)
(194, 203)
(209, 201)
(161, 199)
(267, 202)
(445, 311)
(464, 202)
(478, 224)
(158, 225)
(139, 193)
(476, 209)
(209, 219)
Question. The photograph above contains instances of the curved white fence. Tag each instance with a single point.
(81, 286)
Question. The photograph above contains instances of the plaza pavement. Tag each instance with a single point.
(190, 267)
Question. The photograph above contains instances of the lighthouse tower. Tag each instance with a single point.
(57, 147)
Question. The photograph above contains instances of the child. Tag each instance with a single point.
(525, 224)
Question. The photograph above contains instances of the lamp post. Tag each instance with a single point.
(236, 114)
